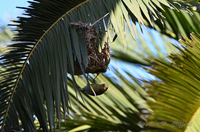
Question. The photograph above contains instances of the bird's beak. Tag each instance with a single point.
(105, 87)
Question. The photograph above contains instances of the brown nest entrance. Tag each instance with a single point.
(97, 60)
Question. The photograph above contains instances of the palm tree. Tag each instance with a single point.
(56, 38)
(177, 96)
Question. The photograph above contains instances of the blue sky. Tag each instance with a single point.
(8, 10)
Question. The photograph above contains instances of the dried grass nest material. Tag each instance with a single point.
(97, 60)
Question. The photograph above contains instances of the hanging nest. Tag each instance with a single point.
(97, 61)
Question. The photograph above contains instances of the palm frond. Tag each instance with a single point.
(149, 44)
(46, 48)
(5, 34)
(177, 22)
(177, 93)
(122, 107)
(185, 5)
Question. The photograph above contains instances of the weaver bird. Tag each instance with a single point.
(95, 89)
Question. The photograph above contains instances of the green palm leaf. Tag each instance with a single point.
(177, 22)
(5, 34)
(149, 44)
(177, 95)
(120, 108)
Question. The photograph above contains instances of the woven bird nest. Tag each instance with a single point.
(97, 60)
